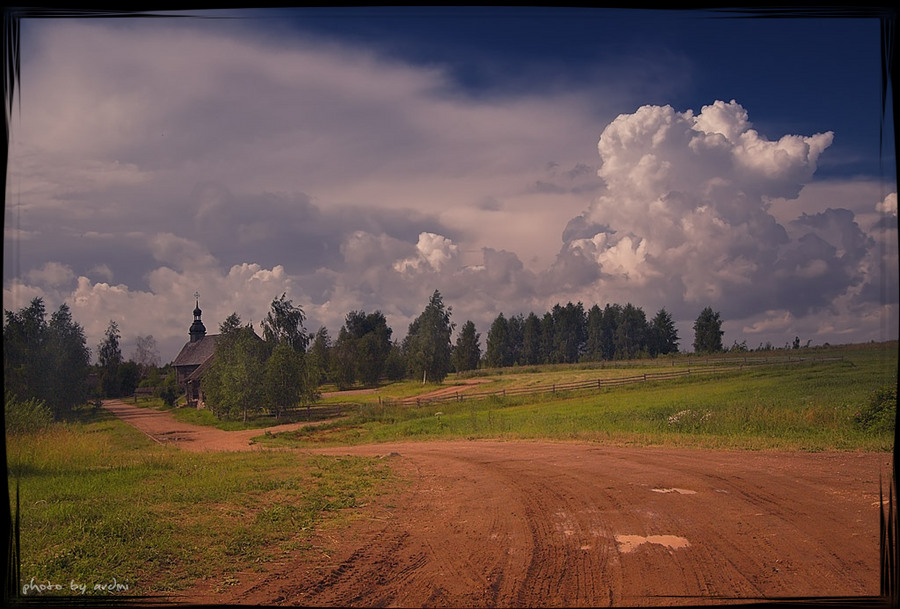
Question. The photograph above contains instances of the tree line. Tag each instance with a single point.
(285, 367)
(364, 353)
(49, 360)
(46, 362)
(569, 334)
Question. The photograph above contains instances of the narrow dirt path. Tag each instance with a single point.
(506, 524)
(162, 427)
(456, 389)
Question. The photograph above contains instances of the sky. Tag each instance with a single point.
(358, 159)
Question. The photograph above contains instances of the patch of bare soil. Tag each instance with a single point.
(502, 524)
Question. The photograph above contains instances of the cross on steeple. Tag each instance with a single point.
(198, 330)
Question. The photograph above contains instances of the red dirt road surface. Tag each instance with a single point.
(501, 524)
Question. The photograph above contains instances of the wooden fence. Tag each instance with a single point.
(319, 412)
(726, 365)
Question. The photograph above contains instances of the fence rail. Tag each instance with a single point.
(315, 413)
(600, 383)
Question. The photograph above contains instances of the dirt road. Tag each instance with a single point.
(494, 524)
(163, 428)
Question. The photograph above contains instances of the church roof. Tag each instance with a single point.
(197, 352)
(200, 371)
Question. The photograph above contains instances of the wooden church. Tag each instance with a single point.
(194, 358)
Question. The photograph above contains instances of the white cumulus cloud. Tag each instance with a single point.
(432, 251)
(686, 220)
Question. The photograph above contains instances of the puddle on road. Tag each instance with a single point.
(175, 436)
(629, 543)
(680, 491)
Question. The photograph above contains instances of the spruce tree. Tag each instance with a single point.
(427, 345)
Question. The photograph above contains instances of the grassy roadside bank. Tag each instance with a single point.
(101, 505)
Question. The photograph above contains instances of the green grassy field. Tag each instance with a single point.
(779, 403)
(100, 504)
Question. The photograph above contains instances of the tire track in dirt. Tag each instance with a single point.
(544, 530)
(428, 556)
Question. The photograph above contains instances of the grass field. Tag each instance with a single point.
(100, 504)
(782, 403)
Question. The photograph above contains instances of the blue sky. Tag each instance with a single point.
(827, 66)
(512, 158)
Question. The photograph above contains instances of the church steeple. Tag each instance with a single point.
(198, 330)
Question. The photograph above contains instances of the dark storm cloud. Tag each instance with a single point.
(822, 262)
(580, 227)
